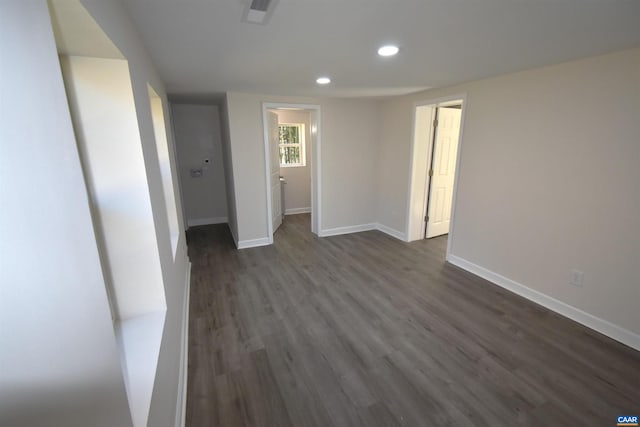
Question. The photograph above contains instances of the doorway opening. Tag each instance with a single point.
(292, 162)
(435, 152)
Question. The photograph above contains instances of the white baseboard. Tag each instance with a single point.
(347, 230)
(181, 404)
(363, 227)
(615, 332)
(391, 232)
(253, 243)
(294, 211)
(206, 221)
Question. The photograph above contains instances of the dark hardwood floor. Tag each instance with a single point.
(365, 330)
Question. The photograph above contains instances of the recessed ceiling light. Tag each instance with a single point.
(323, 80)
(388, 50)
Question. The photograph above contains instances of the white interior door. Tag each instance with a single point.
(274, 170)
(443, 171)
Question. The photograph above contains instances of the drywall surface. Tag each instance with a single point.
(547, 180)
(395, 152)
(350, 137)
(106, 129)
(58, 353)
(113, 18)
(160, 120)
(197, 133)
(349, 140)
(227, 159)
(298, 178)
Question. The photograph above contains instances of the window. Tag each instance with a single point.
(292, 145)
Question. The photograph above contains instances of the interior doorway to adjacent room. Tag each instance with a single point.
(435, 152)
(292, 158)
(441, 174)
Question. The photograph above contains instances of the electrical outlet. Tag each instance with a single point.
(576, 278)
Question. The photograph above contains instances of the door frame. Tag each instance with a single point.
(315, 154)
(432, 150)
(433, 135)
(435, 103)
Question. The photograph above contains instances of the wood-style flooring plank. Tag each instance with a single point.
(366, 330)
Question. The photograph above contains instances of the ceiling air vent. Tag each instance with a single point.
(258, 11)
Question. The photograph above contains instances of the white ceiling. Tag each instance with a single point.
(202, 46)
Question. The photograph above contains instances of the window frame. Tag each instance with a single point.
(301, 144)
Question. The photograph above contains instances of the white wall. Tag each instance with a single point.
(349, 140)
(114, 20)
(227, 159)
(394, 152)
(58, 354)
(547, 180)
(197, 133)
(298, 179)
(104, 117)
(160, 127)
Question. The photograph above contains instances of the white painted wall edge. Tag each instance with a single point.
(235, 238)
(207, 221)
(615, 332)
(294, 211)
(253, 243)
(181, 403)
(140, 339)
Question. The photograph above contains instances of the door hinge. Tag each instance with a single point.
(430, 172)
(426, 218)
(435, 123)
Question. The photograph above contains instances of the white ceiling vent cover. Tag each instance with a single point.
(258, 11)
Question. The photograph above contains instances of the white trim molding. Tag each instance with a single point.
(392, 232)
(615, 332)
(347, 230)
(181, 404)
(207, 221)
(363, 227)
(295, 211)
(253, 243)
